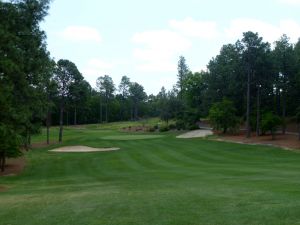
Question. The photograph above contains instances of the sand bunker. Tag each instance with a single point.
(82, 149)
(196, 134)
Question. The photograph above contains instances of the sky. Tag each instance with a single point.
(144, 39)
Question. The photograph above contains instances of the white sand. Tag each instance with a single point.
(196, 134)
(82, 149)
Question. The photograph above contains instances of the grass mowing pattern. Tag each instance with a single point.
(156, 181)
(131, 137)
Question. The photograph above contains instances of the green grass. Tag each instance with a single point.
(158, 181)
(131, 137)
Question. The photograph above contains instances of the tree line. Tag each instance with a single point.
(257, 78)
(250, 77)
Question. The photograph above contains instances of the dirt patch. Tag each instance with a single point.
(82, 149)
(287, 141)
(2, 188)
(13, 167)
(42, 144)
(196, 134)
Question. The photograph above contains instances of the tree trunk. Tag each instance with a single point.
(75, 116)
(48, 126)
(278, 101)
(106, 112)
(273, 134)
(122, 109)
(248, 106)
(67, 118)
(135, 111)
(120, 112)
(48, 131)
(283, 112)
(101, 111)
(2, 161)
(258, 112)
(61, 122)
(27, 139)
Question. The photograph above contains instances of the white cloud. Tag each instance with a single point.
(96, 67)
(268, 31)
(162, 66)
(193, 28)
(81, 33)
(99, 64)
(160, 47)
(290, 2)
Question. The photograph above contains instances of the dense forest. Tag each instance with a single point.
(251, 77)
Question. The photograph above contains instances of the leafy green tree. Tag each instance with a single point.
(66, 74)
(252, 47)
(9, 145)
(270, 122)
(163, 105)
(79, 92)
(137, 96)
(222, 115)
(124, 91)
(106, 88)
(183, 71)
(23, 60)
(285, 67)
(194, 96)
(224, 78)
(51, 92)
(9, 138)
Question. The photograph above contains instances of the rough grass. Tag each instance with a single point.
(119, 125)
(158, 181)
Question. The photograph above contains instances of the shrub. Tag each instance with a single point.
(192, 127)
(164, 128)
(270, 122)
(172, 126)
(180, 125)
(151, 129)
(222, 116)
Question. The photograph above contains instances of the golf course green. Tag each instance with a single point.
(153, 180)
(130, 137)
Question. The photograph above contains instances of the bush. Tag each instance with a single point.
(222, 116)
(163, 128)
(180, 125)
(172, 126)
(270, 122)
(151, 129)
(192, 127)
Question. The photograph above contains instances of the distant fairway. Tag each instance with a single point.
(131, 137)
(155, 181)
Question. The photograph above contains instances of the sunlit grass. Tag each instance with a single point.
(157, 181)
